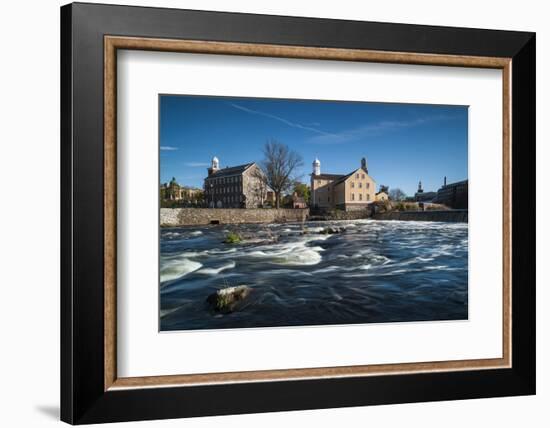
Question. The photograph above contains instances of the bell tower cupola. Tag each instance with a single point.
(364, 165)
(215, 166)
(316, 167)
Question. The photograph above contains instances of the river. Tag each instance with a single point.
(371, 272)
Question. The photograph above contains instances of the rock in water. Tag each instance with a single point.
(332, 230)
(228, 299)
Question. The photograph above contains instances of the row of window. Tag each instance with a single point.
(360, 185)
(226, 180)
(360, 198)
(321, 182)
(222, 190)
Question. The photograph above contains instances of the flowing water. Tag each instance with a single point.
(371, 272)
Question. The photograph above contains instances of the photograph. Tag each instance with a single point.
(267, 212)
(292, 212)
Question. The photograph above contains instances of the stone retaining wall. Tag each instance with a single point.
(197, 216)
(455, 216)
(340, 215)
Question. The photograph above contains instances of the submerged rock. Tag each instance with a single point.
(228, 299)
(332, 230)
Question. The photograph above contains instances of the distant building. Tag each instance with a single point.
(172, 191)
(241, 186)
(349, 192)
(381, 196)
(298, 201)
(421, 196)
(383, 193)
(454, 195)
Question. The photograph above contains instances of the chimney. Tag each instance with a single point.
(445, 181)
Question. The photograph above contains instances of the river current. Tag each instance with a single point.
(370, 272)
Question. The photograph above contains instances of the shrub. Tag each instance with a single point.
(232, 238)
(436, 207)
(385, 206)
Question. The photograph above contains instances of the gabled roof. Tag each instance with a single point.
(232, 170)
(328, 176)
(345, 177)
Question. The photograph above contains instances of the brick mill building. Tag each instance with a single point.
(241, 186)
(454, 195)
(353, 191)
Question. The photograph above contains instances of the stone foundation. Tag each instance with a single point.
(200, 216)
(455, 216)
(339, 215)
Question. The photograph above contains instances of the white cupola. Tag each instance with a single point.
(215, 163)
(316, 167)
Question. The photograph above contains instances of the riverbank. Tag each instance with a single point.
(174, 217)
(447, 216)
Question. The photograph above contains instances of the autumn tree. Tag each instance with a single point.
(302, 190)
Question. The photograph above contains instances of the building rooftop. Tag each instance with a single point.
(232, 170)
(345, 177)
(456, 183)
(297, 198)
(328, 176)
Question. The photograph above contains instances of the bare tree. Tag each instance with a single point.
(279, 166)
(259, 186)
(396, 194)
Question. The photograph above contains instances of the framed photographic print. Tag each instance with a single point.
(266, 213)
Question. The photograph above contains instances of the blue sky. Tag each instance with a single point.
(403, 143)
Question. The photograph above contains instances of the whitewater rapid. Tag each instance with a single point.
(373, 271)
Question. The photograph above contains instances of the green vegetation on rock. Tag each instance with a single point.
(232, 238)
(227, 300)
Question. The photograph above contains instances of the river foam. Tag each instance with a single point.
(217, 270)
(368, 271)
(177, 268)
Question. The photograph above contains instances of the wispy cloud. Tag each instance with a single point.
(282, 120)
(168, 148)
(374, 129)
(196, 164)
